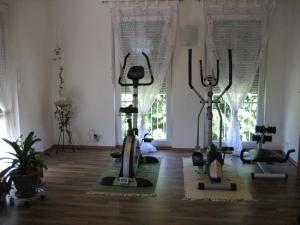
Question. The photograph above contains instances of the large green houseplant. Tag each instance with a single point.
(26, 166)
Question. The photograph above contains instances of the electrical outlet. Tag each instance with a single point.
(96, 138)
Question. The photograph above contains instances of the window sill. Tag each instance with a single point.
(161, 142)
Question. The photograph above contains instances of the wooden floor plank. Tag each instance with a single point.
(71, 175)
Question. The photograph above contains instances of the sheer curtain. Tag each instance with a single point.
(150, 27)
(8, 90)
(243, 27)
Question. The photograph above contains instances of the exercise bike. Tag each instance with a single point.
(131, 157)
(211, 160)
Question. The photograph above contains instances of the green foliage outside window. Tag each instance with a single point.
(156, 117)
(247, 117)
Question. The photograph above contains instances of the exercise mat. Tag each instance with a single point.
(146, 171)
(192, 177)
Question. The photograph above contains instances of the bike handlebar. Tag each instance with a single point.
(139, 84)
(201, 74)
(150, 71)
(123, 69)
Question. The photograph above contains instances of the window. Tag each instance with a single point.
(153, 35)
(156, 118)
(247, 114)
(3, 146)
(2, 124)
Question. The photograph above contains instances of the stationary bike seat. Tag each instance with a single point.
(129, 109)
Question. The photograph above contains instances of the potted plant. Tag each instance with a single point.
(4, 189)
(26, 166)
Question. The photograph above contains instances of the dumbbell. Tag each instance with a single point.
(267, 138)
(260, 129)
(256, 137)
(271, 130)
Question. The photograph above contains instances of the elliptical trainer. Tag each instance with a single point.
(131, 156)
(211, 162)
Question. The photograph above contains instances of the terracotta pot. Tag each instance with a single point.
(26, 184)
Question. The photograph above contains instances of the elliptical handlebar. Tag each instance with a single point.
(218, 73)
(201, 74)
(202, 78)
(190, 76)
(230, 75)
(139, 84)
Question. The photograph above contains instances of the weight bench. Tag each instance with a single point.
(259, 156)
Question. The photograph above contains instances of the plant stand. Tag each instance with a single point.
(63, 115)
(13, 199)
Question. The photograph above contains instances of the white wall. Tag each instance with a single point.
(83, 29)
(84, 32)
(291, 118)
(29, 41)
(184, 103)
(275, 73)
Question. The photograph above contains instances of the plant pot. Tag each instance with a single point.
(4, 188)
(26, 184)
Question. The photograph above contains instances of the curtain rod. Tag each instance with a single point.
(109, 1)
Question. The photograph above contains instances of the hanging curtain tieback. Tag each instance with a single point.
(142, 118)
(5, 114)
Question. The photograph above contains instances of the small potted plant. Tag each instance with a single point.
(26, 168)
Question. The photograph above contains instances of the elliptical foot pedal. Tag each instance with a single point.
(107, 181)
(201, 186)
(197, 158)
(141, 182)
(149, 159)
(217, 186)
(233, 187)
(227, 150)
(116, 155)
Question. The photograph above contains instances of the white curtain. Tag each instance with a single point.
(243, 27)
(150, 27)
(8, 128)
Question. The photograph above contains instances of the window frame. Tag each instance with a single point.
(116, 69)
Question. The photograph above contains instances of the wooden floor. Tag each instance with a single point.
(71, 175)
